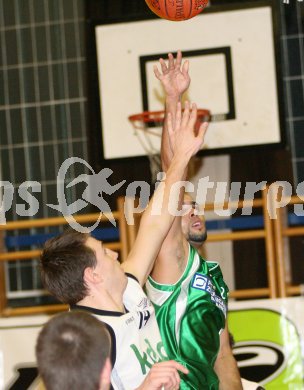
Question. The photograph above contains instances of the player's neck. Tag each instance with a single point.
(103, 301)
(198, 246)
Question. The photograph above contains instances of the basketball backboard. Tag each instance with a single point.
(232, 68)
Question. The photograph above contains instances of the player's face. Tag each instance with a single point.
(108, 266)
(193, 226)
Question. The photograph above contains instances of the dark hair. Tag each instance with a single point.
(63, 262)
(71, 351)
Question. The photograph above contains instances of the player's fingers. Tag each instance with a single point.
(167, 380)
(178, 59)
(164, 377)
(202, 130)
(185, 68)
(181, 368)
(176, 379)
(178, 366)
(166, 373)
(163, 65)
(173, 380)
(156, 72)
(193, 115)
(186, 113)
(171, 61)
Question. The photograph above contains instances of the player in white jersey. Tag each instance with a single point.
(136, 341)
(80, 271)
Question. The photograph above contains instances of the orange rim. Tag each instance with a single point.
(158, 116)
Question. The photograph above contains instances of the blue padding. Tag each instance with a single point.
(27, 240)
(294, 219)
(244, 222)
(105, 234)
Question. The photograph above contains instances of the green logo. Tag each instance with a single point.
(267, 348)
(150, 356)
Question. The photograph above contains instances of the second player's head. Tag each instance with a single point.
(193, 225)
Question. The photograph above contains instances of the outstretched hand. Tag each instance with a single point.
(174, 76)
(184, 139)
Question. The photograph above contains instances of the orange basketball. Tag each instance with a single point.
(176, 9)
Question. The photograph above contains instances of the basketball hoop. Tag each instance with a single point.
(148, 125)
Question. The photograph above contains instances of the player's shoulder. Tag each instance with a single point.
(213, 267)
(131, 278)
(134, 297)
(133, 288)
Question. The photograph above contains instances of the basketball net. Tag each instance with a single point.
(148, 127)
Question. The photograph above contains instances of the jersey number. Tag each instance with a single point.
(144, 318)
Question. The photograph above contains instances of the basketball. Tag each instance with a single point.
(177, 10)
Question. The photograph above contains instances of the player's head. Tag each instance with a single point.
(193, 225)
(72, 262)
(72, 351)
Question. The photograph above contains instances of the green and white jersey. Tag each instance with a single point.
(136, 341)
(191, 315)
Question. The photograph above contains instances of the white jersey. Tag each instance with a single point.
(136, 340)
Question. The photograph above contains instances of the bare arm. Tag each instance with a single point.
(225, 365)
(157, 218)
(172, 256)
(175, 80)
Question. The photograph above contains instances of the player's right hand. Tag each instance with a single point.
(174, 76)
(163, 376)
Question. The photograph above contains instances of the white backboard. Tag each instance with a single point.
(232, 68)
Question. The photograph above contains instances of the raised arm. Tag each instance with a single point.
(157, 219)
(175, 80)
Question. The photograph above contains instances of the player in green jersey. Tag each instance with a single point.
(189, 293)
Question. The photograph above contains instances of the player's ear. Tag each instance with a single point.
(91, 276)
(105, 375)
(88, 275)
